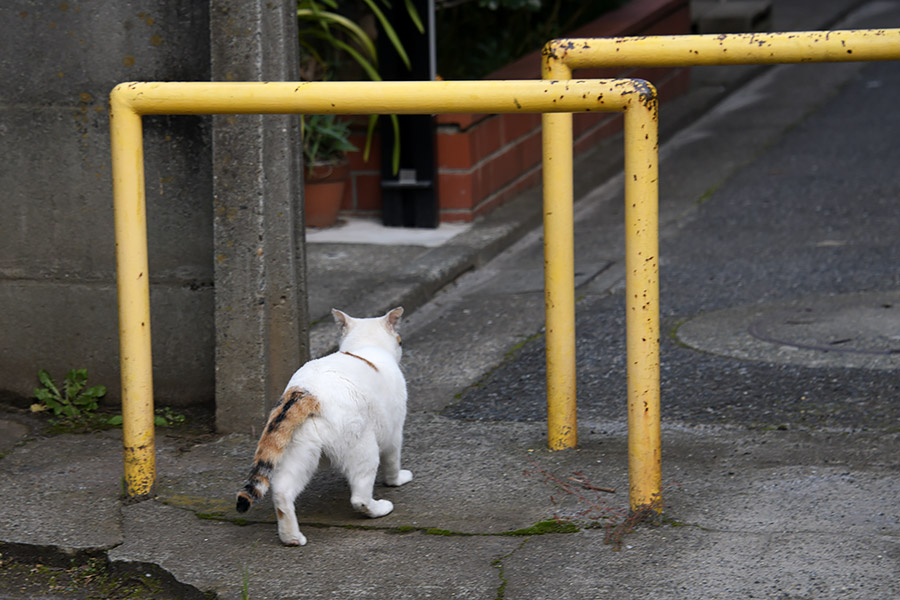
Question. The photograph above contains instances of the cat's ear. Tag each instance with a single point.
(342, 319)
(393, 317)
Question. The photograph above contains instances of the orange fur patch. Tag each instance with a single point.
(295, 407)
(368, 362)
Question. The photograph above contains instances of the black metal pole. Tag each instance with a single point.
(409, 194)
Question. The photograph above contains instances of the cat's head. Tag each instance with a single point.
(376, 331)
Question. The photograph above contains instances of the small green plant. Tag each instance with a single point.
(74, 406)
(245, 583)
(166, 417)
(325, 139)
(163, 417)
(74, 403)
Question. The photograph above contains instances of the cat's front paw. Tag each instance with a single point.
(403, 476)
(293, 540)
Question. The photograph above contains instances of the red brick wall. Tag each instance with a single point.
(485, 159)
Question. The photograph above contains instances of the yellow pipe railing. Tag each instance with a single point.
(560, 58)
(724, 49)
(133, 283)
(128, 101)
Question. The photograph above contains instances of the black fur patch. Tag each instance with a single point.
(243, 504)
(263, 467)
(276, 422)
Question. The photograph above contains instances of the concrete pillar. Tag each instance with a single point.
(262, 326)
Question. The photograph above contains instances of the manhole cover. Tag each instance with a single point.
(856, 327)
(852, 330)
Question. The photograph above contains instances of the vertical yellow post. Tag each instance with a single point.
(133, 296)
(642, 299)
(559, 281)
(559, 271)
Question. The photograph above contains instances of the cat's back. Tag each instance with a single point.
(364, 372)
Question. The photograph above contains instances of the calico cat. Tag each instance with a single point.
(347, 407)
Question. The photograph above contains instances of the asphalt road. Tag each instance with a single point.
(813, 215)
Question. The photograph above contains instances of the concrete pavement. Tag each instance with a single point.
(781, 475)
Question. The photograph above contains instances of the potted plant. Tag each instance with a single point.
(327, 40)
(325, 144)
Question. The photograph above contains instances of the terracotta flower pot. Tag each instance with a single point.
(323, 192)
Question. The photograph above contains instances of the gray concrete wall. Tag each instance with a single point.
(58, 62)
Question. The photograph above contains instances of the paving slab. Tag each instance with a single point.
(215, 556)
(63, 491)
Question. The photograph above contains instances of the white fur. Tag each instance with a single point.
(359, 423)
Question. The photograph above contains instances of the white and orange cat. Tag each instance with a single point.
(347, 407)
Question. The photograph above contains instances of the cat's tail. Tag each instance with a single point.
(294, 407)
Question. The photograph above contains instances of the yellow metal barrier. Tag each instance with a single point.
(128, 101)
(721, 49)
(560, 58)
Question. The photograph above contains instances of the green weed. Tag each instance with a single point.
(245, 584)
(163, 417)
(74, 405)
(74, 402)
(545, 527)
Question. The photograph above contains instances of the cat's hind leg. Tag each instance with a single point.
(297, 467)
(359, 463)
(392, 474)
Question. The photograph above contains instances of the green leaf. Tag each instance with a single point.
(115, 420)
(325, 18)
(367, 65)
(314, 4)
(97, 391)
(44, 378)
(370, 131)
(160, 421)
(75, 380)
(395, 157)
(414, 15)
(314, 10)
(389, 31)
(53, 405)
(43, 394)
(85, 403)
